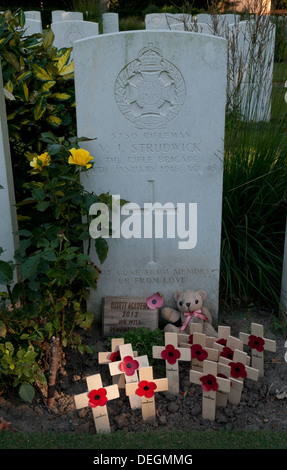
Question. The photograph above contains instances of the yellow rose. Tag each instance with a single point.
(40, 161)
(80, 157)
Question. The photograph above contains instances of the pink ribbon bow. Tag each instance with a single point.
(195, 313)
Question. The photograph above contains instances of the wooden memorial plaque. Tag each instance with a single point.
(122, 314)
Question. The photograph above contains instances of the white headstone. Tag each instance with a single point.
(158, 122)
(72, 16)
(251, 67)
(57, 15)
(33, 15)
(160, 20)
(62, 15)
(110, 23)
(32, 27)
(8, 241)
(66, 33)
(204, 18)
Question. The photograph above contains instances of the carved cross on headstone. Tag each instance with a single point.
(239, 371)
(199, 352)
(114, 356)
(145, 390)
(129, 366)
(258, 345)
(210, 384)
(97, 398)
(172, 354)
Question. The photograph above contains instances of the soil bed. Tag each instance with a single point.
(263, 404)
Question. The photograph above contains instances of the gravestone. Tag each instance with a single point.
(8, 241)
(251, 67)
(33, 15)
(32, 27)
(158, 129)
(159, 20)
(110, 23)
(66, 33)
(57, 15)
(62, 15)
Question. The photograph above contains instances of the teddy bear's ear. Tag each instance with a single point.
(203, 294)
(177, 294)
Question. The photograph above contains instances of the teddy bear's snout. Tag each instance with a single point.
(188, 304)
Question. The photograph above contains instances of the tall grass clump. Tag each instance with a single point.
(255, 159)
(255, 180)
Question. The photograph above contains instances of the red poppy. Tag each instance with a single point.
(190, 339)
(197, 352)
(255, 342)
(97, 397)
(209, 383)
(146, 389)
(227, 352)
(115, 356)
(129, 365)
(237, 370)
(170, 354)
(222, 341)
(155, 301)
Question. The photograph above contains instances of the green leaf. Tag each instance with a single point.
(6, 273)
(41, 73)
(27, 392)
(42, 206)
(17, 291)
(21, 18)
(101, 248)
(48, 38)
(29, 267)
(39, 108)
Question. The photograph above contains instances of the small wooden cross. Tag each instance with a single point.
(199, 352)
(172, 355)
(129, 366)
(185, 340)
(97, 397)
(145, 389)
(223, 371)
(210, 384)
(228, 349)
(114, 356)
(258, 345)
(223, 333)
(239, 371)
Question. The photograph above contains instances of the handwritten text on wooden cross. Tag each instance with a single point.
(210, 384)
(239, 371)
(114, 356)
(97, 397)
(172, 355)
(129, 366)
(199, 352)
(146, 389)
(258, 345)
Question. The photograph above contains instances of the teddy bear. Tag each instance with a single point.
(190, 310)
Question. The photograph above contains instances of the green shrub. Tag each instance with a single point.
(39, 84)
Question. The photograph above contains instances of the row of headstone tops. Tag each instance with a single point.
(218, 364)
(77, 28)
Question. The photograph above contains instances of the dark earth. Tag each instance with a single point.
(263, 404)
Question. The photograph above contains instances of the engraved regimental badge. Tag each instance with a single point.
(150, 90)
